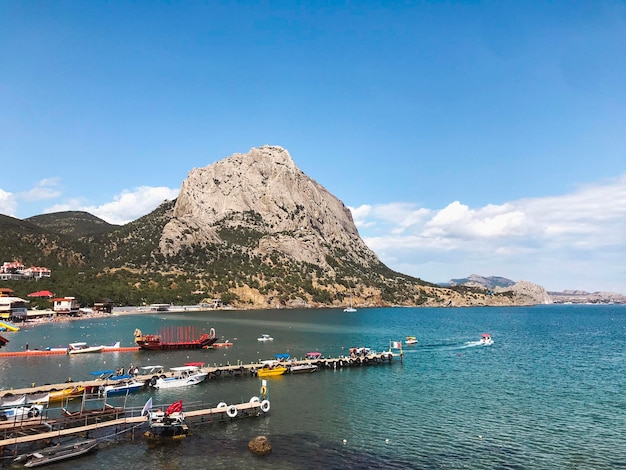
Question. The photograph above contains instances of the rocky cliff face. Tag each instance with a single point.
(264, 192)
(527, 293)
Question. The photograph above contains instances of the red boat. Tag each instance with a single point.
(175, 338)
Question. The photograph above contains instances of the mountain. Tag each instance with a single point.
(489, 282)
(252, 230)
(583, 297)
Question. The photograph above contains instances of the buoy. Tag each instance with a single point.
(344, 441)
(386, 441)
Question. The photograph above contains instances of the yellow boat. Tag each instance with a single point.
(67, 393)
(271, 371)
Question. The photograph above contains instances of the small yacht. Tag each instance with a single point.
(486, 340)
(265, 338)
(411, 340)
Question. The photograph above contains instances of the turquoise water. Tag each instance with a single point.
(548, 394)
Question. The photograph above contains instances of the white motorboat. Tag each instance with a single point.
(486, 340)
(181, 377)
(302, 368)
(83, 348)
(411, 340)
(265, 338)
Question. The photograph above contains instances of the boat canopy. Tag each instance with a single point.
(313, 355)
(102, 372)
(281, 357)
(194, 364)
(184, 369)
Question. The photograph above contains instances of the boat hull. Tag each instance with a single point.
(271, 372)
(175, 382)
(57, 453)
(159, 346)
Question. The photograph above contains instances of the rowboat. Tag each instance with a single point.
(57, 453)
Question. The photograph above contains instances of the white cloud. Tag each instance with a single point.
(8, 205)
(47, 188)
(125, 207)
(551, 239)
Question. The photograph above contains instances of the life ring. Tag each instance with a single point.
(265, 406)
(30, 414)
(263, 390)
(153, 380)
(255, 400)
(232, 411)
(212, 332)
(222, 405)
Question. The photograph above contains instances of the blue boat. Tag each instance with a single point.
(127, 385)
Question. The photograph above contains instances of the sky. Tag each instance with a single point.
(466, 137)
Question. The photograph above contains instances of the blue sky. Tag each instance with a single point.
(467, 137)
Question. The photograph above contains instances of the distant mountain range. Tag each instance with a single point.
(497, 283)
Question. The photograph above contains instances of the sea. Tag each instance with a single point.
(550, 393)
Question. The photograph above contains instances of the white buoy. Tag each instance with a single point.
(344, 441)
(386, 441)
(480, 436)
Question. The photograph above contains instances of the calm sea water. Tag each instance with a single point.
(548, 394)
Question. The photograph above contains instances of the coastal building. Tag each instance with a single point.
(13, 308)
(14, 270)
(66, 306)
(6, 292)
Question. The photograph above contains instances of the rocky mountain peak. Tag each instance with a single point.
(265, 193)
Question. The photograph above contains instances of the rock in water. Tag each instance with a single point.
(260, 445)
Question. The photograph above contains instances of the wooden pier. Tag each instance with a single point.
(29, 430)
(224, 370)
(14, 433)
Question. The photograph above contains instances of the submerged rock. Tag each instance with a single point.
(260, 445)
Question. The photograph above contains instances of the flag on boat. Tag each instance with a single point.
(396, 344)
(147, 406)
(175, 407)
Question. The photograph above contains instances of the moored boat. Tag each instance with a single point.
(169, 423)
(175, 338)
(57, 453)
(83, 348)
(182, 377)
(302, 368)
(269, 371)
(128, 385)
(67, 393)
(265, 337)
